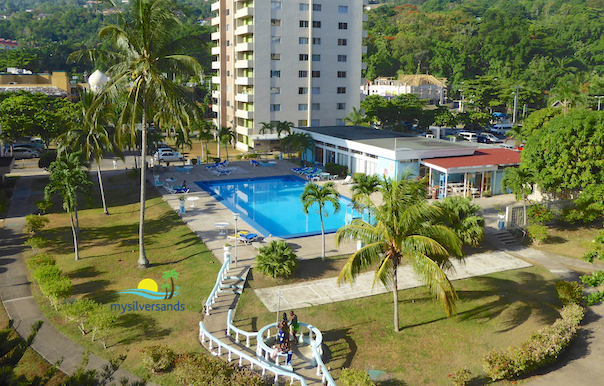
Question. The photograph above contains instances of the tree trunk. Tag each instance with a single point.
(524, 206)
(98, 170)
(395, 299)
(322, 235)
(172, 291)
(75, 238)
(142, 257)
(77, 220)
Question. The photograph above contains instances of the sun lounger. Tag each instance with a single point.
(300, 170)
(253, 162)
(181, 190)
(210, 167)
(248, 237)
(347, 180)
(233, 237)
(218, 172)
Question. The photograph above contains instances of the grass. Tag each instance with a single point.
(109, 253)
(569, 240)
(495, 311)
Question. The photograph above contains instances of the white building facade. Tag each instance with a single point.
(426, 87)
(296, 61)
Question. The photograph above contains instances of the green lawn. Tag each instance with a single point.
(495, 311)
(570, 240)
(109, 253)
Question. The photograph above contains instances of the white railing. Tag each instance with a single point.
(265, 366)
(264, 351)
(238, 331)
(219, 278)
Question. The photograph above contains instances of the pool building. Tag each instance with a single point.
(459, 167)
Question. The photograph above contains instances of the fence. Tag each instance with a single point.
(515, 213)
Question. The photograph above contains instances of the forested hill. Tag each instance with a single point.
(537, 44)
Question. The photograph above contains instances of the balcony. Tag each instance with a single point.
(215, 35)
(244, 114)
(244, 81)
(246, 98)
(244, 64)
(215, 20)
(242, 47)
(215, 94)
(365, 17)
(215, 6)
(363, 49)
(215, 65)
(244, 12)
(364, 35)
(244, 30)
(363, 66)
(216, 80)
(216, 50)
(215, 107)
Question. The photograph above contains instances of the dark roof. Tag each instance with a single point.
(51, 91)
(482, 157)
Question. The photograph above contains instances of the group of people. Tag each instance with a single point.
(285, 326)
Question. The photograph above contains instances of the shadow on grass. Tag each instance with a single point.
(342, 349)
(139, 326)
(89, 287)
(554, 240)
(85, 272)
(103, 296)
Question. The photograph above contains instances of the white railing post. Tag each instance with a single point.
(230, 356)
(247, 341)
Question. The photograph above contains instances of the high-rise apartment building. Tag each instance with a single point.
(290, 60)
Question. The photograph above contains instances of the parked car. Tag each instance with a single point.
(167, 156)
(501, 128)
(30, 145)
(24, 153)
(468, 136)
(488, 138)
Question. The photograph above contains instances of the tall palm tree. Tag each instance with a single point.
(267, 128)
(364, 186)
(356, 118)
(205, 135)
(283, 127)
(89, 135)
(225, 136)
(145, 48)
(314, 194)
(183, 140)
(459, 214)
(404, 230)
(305, 142)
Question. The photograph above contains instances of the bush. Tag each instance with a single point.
(594, 298)
(79, 312)
(594, 280)
(355, 377)
(569, 292)
(276, 260)
(56, 290)
(592, 255)
(36, 243)
(339, 170)
(35, 223)
(46, 273)
(537, 232)
(461, 377)
(157, 358)
(584, 210)
(46, 159)
(541, 348)
(201, 370)
(539, 214)
(37, 261)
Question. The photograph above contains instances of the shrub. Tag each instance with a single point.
(35, 223)
(43, 205)
(355, 377)
(276, 260)
(569, 292)
(537, 232)
(46, 273)
(40, 260)
(215, 159)
(332, 168)
(594, 280)
(200, 370)
(79, 312)
(461, 377)
(56, 290)
(584, 210)
(539, 214)
(594, 298)
(592, 255)
(101, 320)
(36, 242)
(276, 156)
(157, 358)
(46, 159)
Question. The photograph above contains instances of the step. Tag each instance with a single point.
(506, 238)
(232, 291)
(227, 286)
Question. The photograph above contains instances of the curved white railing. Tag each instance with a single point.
(219, 278)
(264, 351)
(238, 331)
(265, 366)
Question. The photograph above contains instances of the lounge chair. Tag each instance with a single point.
(301, 170)
(218, 172)
(233, 237)
(158, 183)
(210, 167)
(347, 180)
(313, 171)
(253, 162)
(181, 190)
(248, 237)
(169, 189)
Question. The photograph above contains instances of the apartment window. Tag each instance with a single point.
(228, 88)
(302, 107)
(341, 106)
(316, 24)
(316, 106)
(228, 73)
(228, 103)
(316, 90)
(276, 39)
(342, 25)
(302, 74)
(275, 90)
(303, 7)
(341, 58)
(276, 74)
(316, 7)
(227, 12)
(343, 9)
(315, 123)
(228, 58)
(303, 40)
(303, 57)
(341, 90)
(340, 122)
(275, 107)
(227, 27)
(316, 74)
(302, 90)
(277, 23)
(275, 56)
(316, 41)
(302, 122)
(341, 74)
(275, 5)
(316, 57)
(303, 23)
(228, 43)
(342, 42)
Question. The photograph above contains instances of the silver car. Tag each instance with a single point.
(24, 153)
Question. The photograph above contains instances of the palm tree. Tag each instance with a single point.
(225, 136)
(170, 275)
(205, 135)
(356, 118)
(404, 229)
(89, 136)
(146, 49)
(183, 140)
(305, 142)
(314, 194)
(266, 128)
(459, 214)
(364, 186)
(283, 127)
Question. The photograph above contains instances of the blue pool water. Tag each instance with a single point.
(272, 205)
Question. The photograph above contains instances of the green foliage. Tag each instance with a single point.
(462, 216)
(313, 196)
(537, 232)
(584, 209)
(594, 298)
(157, 358)
(200, 370)
(47, 272)
(355, 377)
(79, 312)
(541, 348)
(36, 243)
(336, 169)
(594, 280)
(12, 349)
(539, 214)
(461, 377)
(40, 260)
(101, 320)
(56, 290)
(590, 256)
(569, 292)
(276, 260)
(35, 223)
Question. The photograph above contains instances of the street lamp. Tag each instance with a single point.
(599, 98)
(236, 215)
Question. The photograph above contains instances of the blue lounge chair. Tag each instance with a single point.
(248, 237)
(253, 162)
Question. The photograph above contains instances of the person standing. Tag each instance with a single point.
(294, 325)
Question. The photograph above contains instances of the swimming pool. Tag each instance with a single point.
(272, 205)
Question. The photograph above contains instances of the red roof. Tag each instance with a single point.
(481, 157)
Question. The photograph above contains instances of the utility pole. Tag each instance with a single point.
(515, 105)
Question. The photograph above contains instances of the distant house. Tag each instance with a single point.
(426, 87)
(7, 44)
(56, 85)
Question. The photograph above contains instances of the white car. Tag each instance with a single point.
(24, 153)
(168, 156)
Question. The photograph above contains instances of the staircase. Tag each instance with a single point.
(507, 238)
